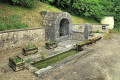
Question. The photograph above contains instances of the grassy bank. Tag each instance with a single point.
(31, 17)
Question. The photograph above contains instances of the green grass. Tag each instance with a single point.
(13, 21)
(32, 17)
(29, 47)
(115, 30)
(16, 59)
(49, 61)
(96, 32)
(51, 42)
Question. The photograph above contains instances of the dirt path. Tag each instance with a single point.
(103, 64)
(6, 73)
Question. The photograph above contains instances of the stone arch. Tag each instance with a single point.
(64, 27)
(56, 24)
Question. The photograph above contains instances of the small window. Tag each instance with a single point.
(103, 27)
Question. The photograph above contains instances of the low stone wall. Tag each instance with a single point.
(79, 27)
(78, 35)
(95, 27)
(98, 27)
(17, 38)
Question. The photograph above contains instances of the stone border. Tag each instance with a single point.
(10, 39)
(65, 62)
(16, 30)
(92, 24)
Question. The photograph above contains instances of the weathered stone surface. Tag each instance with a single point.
(87, 31)
(78, 27)
(95, 27)
(61, 64)
(78, 35)
(41, 71)
(17, 38)
(57, 23)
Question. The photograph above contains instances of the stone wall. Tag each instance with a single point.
(79, 27)
(57, 23)
(95, 27)
(78, 35)
(16, 38)
(98, 27)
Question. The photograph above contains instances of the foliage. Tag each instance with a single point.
(117, 12)
(96, 31)
(17, 59)
(25, 3)
(30, 47)
(96, 9)
(51, 42)
(91, 8)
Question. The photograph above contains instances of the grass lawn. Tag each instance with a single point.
(49, 61)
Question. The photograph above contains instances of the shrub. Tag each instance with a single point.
(30, 46)
(16, 59)
(25, 3)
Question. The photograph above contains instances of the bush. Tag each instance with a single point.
(95, 9)
(24, 3)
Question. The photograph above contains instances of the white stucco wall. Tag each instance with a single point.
(108, 20)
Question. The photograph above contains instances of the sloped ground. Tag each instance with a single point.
(103, 64)
(32, 17)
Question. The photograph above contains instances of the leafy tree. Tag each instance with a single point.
(117, 12)
(25, 3)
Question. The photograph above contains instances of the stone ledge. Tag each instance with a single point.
(77, 31)
(16, 30)
(65, 62)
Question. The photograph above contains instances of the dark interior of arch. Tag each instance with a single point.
(64, 27)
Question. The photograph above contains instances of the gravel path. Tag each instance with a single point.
(103, 64)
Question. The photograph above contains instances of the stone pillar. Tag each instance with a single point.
(87, 31)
